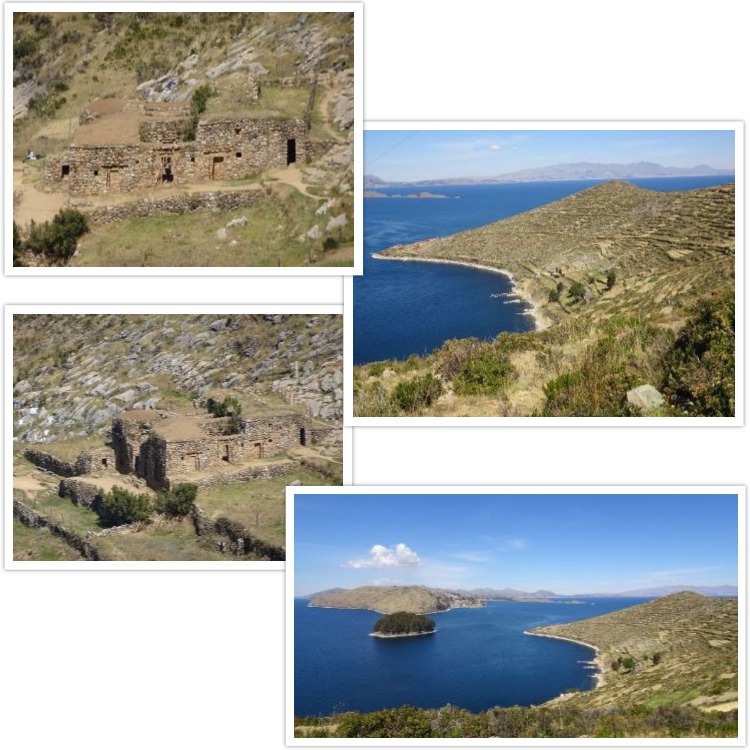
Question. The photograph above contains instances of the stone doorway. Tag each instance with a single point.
(291, 151)
(166, 169)
(258, 450)
(302, 436)
(218, 168)
(113, 179)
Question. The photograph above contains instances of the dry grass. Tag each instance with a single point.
(63, 512)
(39, 544)
(174, 541)
(259, 505)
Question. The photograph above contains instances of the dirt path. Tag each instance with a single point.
(28, 484)
(34, 204)
(291, 175)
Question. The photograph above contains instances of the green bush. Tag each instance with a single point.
(418, 393)
(486, 374)
(120, 506)
(553, 296)
(577, 291)
(179, 501)
(699, 376)
(57, 240)
(611, 278)
(330, 243)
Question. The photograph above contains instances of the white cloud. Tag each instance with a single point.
(495, 147)
(400, 556)
(472, 557)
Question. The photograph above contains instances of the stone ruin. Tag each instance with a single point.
(123, 145)
(163, 448)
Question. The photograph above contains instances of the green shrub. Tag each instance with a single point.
(699, 376)
(611, 278)
(118, 506)
(553, 296)
(418, 393)
(330, 243)
(57, 240)
(178, 502)
(486, 374)
(577, 291)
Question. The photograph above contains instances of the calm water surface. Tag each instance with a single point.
(403, 308)
(479, 658)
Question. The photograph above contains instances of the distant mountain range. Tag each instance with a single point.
(577, 171)
(381, 596)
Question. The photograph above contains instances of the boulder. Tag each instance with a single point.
(645, 398)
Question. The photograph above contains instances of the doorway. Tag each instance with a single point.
(302, 436)
(291, 151)
(218, 168)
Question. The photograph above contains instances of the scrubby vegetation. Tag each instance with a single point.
(51, 243)
(404, 623)
(517, 721)
(119, 506)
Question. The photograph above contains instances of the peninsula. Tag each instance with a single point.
(391, 599)
(624, 283)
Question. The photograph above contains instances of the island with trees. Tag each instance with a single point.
(403, 625)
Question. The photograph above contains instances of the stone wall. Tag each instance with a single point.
(29, 517)
(268, 471)
(80, 493)
(274, 434)
(223, 150)
(51, 463)
(95, 461)
(163, 131)
(177, 204)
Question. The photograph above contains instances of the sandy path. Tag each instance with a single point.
(291, 175)
(34, 204)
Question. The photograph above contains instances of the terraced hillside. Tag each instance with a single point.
(617, 275)
(390, 599)
(677, 650)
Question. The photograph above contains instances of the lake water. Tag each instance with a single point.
(479, 658)
(403, 308)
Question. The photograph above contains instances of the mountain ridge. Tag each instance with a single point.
(564, 171)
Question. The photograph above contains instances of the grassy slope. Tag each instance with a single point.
(695, 638)
(668, 251)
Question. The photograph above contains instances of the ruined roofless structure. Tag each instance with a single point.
(123, 145)
(163, 448)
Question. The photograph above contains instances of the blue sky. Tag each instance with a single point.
(566, 543)
(403, 155)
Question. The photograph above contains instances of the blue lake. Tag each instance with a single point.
(403, 308)
(479, 658)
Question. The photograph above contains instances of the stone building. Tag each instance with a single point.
(161, 448)
(123, 145)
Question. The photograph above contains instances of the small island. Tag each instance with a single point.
(403, 625)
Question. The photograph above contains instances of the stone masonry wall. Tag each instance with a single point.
(243, 475)
(80, 493)
(51, 463)
(178, 204)
(275, 434)
(222, 150)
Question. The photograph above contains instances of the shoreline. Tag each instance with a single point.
(596, 661)
(540, 320)
(402, 635)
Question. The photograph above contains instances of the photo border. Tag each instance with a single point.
(739, 490)
(93, 565)
(737, 420)
(357, 8)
